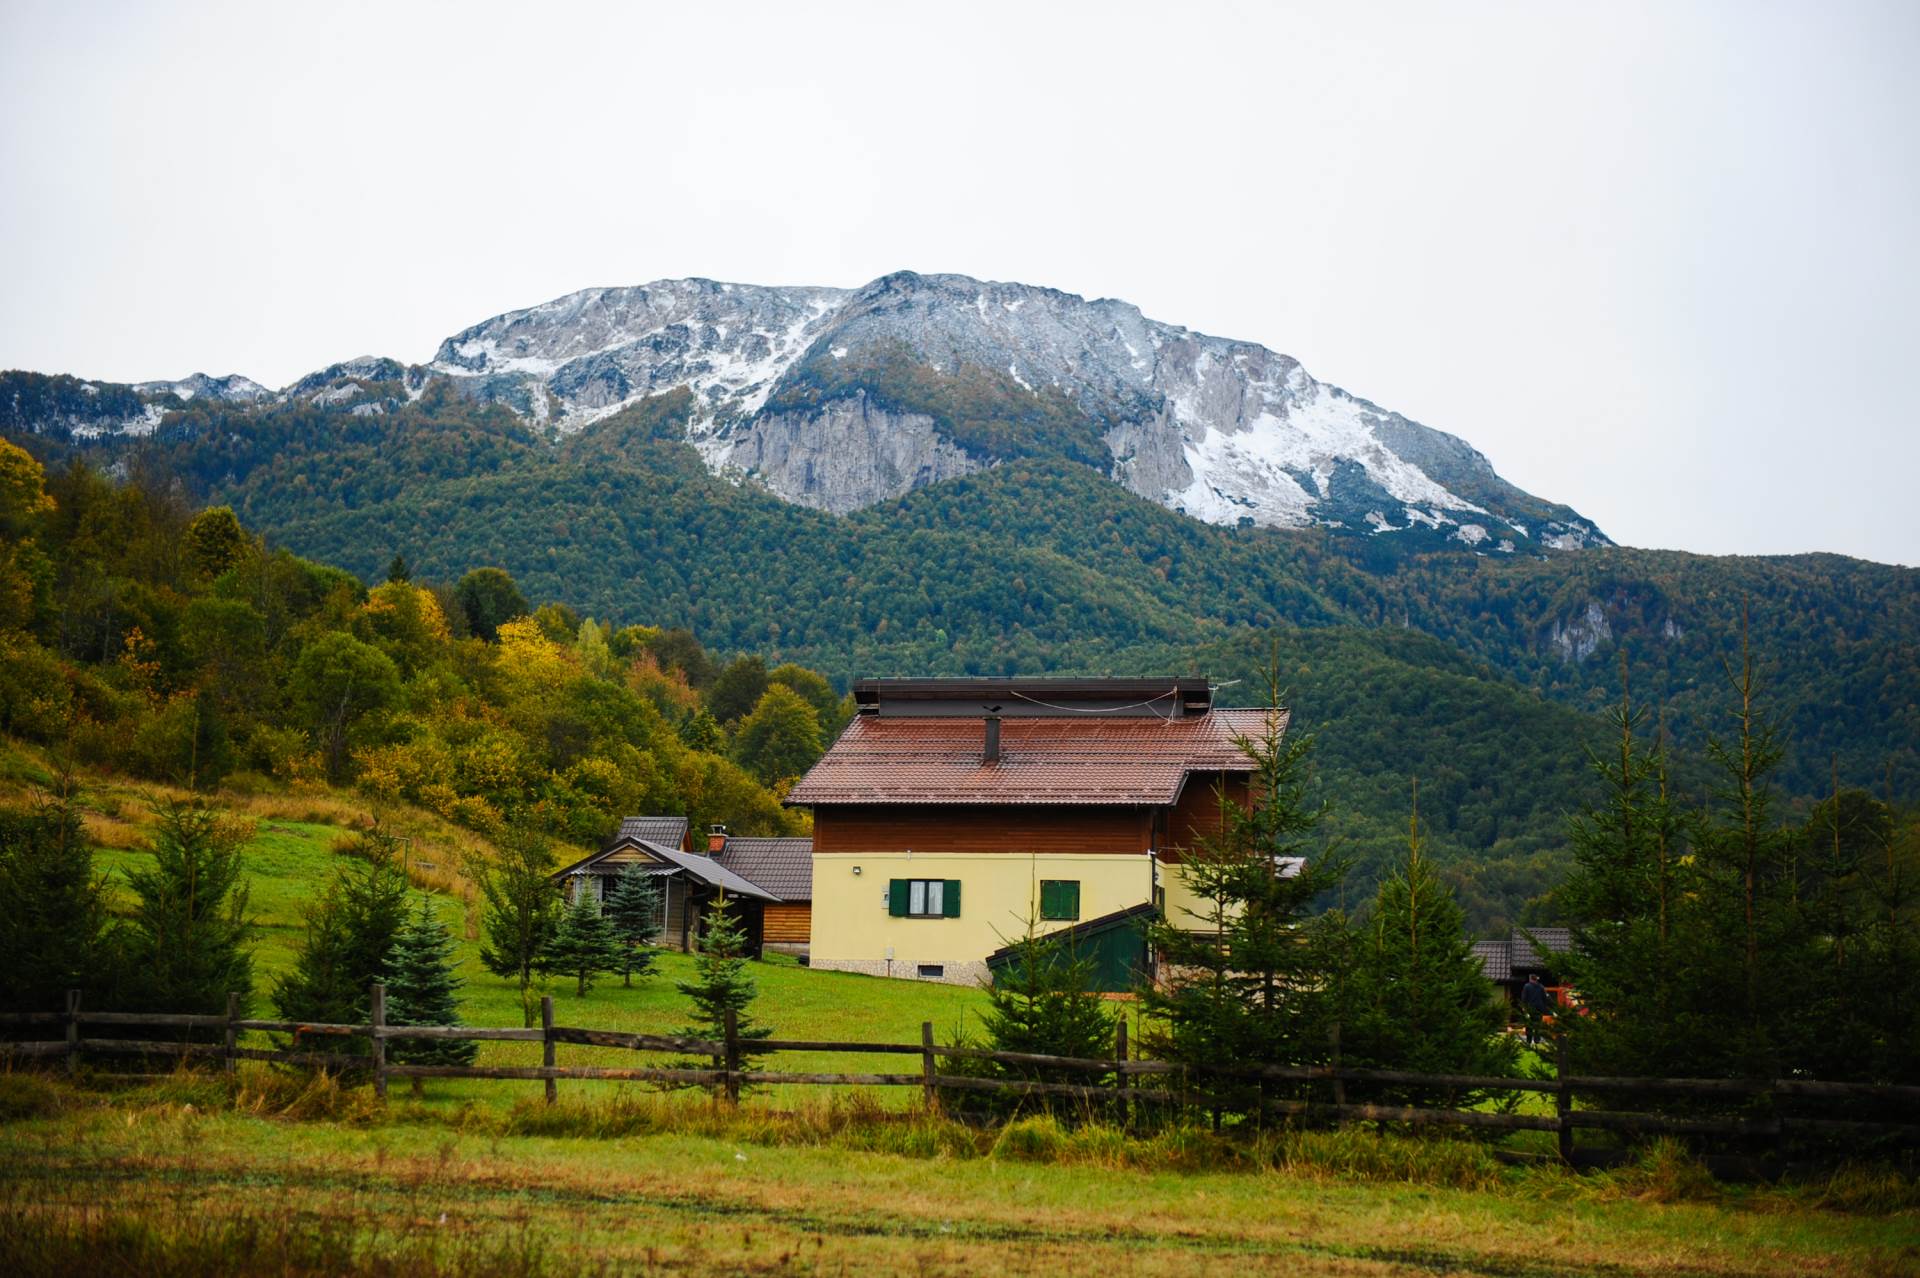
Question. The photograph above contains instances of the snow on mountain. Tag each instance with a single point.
(844, 398)
(232, 389)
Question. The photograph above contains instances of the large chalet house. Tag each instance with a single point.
(951, 811)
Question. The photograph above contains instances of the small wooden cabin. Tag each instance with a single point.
(689, 881)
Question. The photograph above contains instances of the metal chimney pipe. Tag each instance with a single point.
(991, 752)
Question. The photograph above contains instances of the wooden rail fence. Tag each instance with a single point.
(726, 1073)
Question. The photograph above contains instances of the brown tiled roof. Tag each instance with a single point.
(783, 867)
(1141, 761)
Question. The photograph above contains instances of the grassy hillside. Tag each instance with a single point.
(294, 853)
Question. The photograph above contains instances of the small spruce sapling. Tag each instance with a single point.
(721, 982)
(633, 908)
(584, 945)
(421, 990)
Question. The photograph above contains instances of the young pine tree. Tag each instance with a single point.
(521, 909)
(1251, 975)
(1424, 1002)
(1044, 1003)
(1624, 900)
(583, 945)
(54, 926)
(633, 908)
(421, 990)
(350, 932)
(1749, 964)
(721, 982)
(187, 940)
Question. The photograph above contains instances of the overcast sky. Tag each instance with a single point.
(1659, 262)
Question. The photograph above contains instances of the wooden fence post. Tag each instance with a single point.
(379, 1018)
(73, 1031)
(929, 1094)
(546, 1045)
(1562, 1099)
(1339, 1083)
(1120, 1076)
(731, 1022)
(230, 1039)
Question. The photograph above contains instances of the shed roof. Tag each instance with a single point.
(783, 867)
(1133, 916)
(1134, 761)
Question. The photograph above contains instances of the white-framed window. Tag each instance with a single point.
(926, 898)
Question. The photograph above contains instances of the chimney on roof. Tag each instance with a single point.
(716, 839)
(990, 750)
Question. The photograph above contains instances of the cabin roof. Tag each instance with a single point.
(1511, 959)
(667, 831)
(704, 869)
(1068, 759)
(783, 867)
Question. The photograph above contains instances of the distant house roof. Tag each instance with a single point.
(1140, 759)
(1511, 959)
(667, 831)
(783, 867)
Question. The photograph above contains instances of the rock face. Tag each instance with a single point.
(846, 456)
(842, 398)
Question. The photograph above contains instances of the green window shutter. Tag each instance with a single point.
(897, 897)
(951, 899)
(1059, 898)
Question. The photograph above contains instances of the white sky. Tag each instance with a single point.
(1659, 262)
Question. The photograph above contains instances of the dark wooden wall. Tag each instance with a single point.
(906, 828)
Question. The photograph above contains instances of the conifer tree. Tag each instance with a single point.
(522, 908)
(350, 932)
(633, 908)
(1624, 902)
(1424, 1001)
(721, 981)
(187, 940)
(1251, 977)
(54, 933)
(583, 945)
(421, 990)
(1747, 957)
(1043, 1002)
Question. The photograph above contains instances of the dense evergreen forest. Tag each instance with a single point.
(1484, 678)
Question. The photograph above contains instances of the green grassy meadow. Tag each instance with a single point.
(272, 1171)
(170, 1179)
(289, 862)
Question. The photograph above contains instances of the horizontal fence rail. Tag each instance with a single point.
(720, 1064)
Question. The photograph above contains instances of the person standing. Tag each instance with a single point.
(1536, 1003)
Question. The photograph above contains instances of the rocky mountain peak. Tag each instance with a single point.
(843, 398)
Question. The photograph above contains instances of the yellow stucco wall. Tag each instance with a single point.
(1184, 909)
(998, 892)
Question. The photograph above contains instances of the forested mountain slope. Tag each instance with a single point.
(1478, 675)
